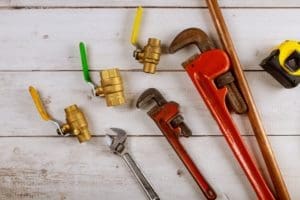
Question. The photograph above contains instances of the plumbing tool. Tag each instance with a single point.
(76, 122)
(116, 142)
(254, 118)
(205, 71)
(111, 85)
(171, 123)
(149, 55)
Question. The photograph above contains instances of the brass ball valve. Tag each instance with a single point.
(76, 123)
(111, 83)
(111, 87)
(149, 55)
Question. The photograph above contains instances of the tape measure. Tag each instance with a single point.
(284, 63)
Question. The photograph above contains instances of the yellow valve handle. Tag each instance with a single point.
(286, 49)
(38, 104)
(136, 25)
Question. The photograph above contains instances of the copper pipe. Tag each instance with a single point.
(260, 134)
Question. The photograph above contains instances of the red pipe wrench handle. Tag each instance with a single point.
(203, 70)
(163, 117)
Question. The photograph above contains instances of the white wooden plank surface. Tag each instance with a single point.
(31, 168)
(60, 89)
(158, 3)
(39, 44)
(48, 39)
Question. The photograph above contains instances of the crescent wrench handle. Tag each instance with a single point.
(151, 194)
(208, 192)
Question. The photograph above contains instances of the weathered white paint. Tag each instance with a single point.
(60, 89)
(61, 168)
(37, 164)
(47, 39)
(158, 3)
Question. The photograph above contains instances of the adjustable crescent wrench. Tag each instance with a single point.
(116, 143)
(204, 70)
(170, 122)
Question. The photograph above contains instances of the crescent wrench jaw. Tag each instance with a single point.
(117, 140)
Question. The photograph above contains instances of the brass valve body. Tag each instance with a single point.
(149, 55)
(76, 124)
(111, 87)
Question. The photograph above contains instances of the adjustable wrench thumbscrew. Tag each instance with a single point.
(170, 122)
(117, 146)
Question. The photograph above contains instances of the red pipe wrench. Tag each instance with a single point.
(170, 122)
(205, 70)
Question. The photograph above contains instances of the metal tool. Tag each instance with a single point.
(171, 123)
(116, 142)
(111, 84)
(76, 122)
(254, 118)
(284, 63)
(204, 70)
(149, 55)
(200, 39)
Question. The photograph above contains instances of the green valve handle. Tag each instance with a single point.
(84, 62)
